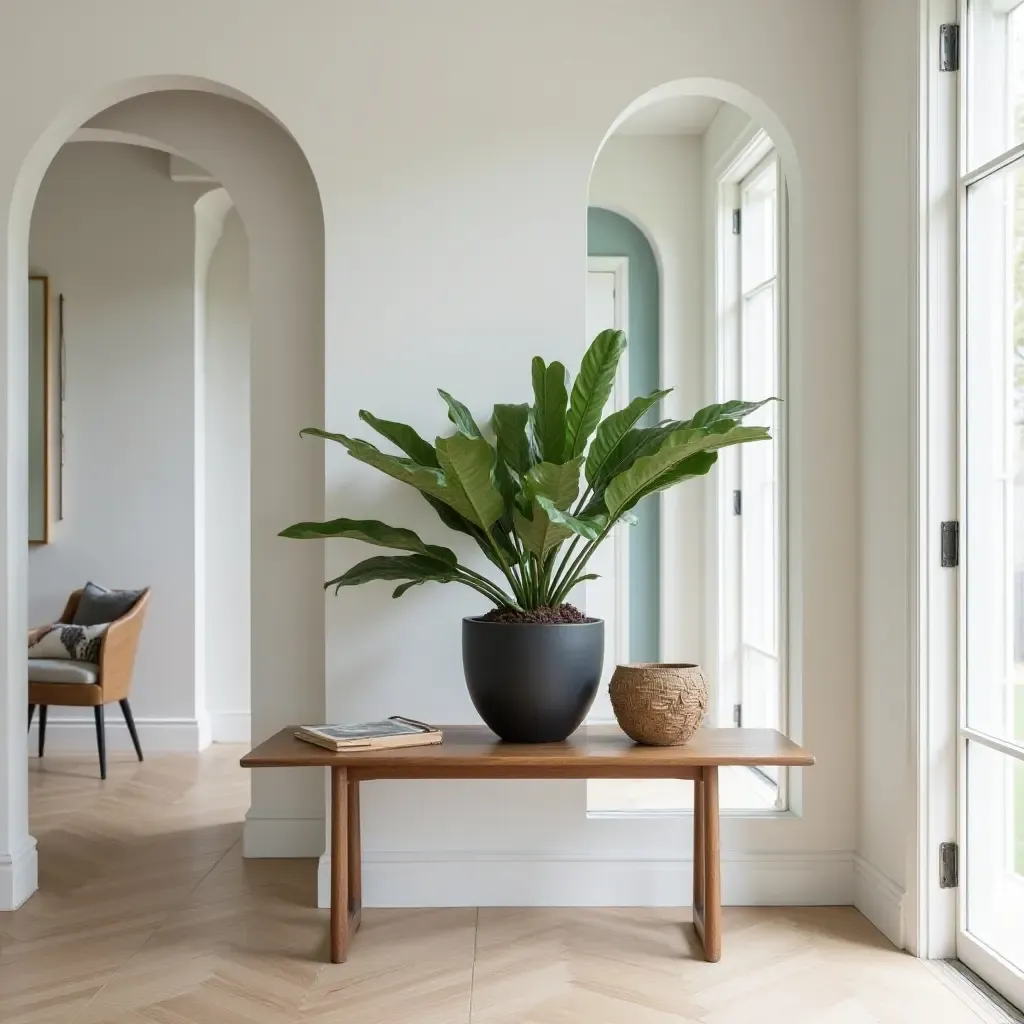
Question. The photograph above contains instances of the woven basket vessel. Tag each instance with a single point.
(659, 705)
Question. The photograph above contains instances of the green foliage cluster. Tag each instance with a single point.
(540, 489)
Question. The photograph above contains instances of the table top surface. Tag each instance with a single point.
(466, 747)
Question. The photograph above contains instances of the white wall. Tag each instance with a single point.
(890, 47)
(655, 181)
(115, 235)
(228, 533)
(454, 208)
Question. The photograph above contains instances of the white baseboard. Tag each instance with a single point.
(230, 726)
(880, 900)
(282, 837)
(77, 735)
(461, 879)
(19, 875)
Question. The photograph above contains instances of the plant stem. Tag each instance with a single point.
(577, 567)
(560, 573)
(484, 585)
(493, 597)
(514, 583)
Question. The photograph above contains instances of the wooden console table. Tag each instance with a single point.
(473, 752)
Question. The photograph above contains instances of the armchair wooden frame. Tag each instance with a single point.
(114, 679)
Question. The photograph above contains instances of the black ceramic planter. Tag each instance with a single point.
(532, 682)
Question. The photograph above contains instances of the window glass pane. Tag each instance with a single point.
(994, 524)
(995, 851)
(996, 78)
(759, 592)
(757, 237)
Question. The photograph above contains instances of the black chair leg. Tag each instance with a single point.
(130, 722)
(101, 739)
(42, 728)
(31, 712)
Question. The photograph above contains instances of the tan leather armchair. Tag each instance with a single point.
(78, 684)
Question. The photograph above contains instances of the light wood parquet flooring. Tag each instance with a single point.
(147, 914)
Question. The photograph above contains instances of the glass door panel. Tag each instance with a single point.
(992, 716)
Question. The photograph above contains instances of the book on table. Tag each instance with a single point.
(381, 735)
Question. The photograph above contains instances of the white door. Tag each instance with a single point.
(991, 719)
(608, 597)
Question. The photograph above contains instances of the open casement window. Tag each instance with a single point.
(750, 316)
(750, 681)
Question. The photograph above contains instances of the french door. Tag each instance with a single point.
(990, 933)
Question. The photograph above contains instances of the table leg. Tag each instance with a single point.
(712, 908)
(699, 876)
(355, 860)
(339, 865)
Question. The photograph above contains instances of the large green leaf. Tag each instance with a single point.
(423, 478)
(626, 489)
(405, 587)
(634, 444)
(734, 410)
(416, 568)
(590, 392)
(559, 483)
(539, 534)
(589, 527)
(460, 416)
(371, 531)
(455, 521)
(549, 410)
(612, 430)
(404, 438)
(509, 423)
(696, 465)
(468, 466)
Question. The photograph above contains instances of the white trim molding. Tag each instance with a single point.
(880, 900)
(516, 879)
(19, 876)
(76, 734)
(287, 838)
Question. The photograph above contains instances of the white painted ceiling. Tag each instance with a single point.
(681, 115)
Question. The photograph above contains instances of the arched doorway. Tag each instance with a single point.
(676, 168)
(264, 171)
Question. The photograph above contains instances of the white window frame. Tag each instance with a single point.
(930, 912)
(750, 159)
(601, 711)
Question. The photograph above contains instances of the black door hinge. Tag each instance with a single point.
(950, 544)
(737, 503)
(949, 865)
(737, 220)
(737, 715)
(949, 47)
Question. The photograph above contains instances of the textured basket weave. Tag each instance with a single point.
(660, 705)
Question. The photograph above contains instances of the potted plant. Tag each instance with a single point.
(538, 492)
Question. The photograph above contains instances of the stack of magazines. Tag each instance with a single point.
(387, 733)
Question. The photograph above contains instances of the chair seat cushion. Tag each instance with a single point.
(62, 670)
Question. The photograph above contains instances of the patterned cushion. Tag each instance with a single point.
(77, 643)
(60, 670)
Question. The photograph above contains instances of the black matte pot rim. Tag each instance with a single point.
(478, 620)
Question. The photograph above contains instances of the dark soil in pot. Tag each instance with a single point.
(533, 680)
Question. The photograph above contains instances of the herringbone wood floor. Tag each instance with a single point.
(147, 914)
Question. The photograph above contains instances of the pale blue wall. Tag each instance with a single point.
(609, 234)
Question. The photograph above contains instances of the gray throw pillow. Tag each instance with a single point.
(98, 605)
